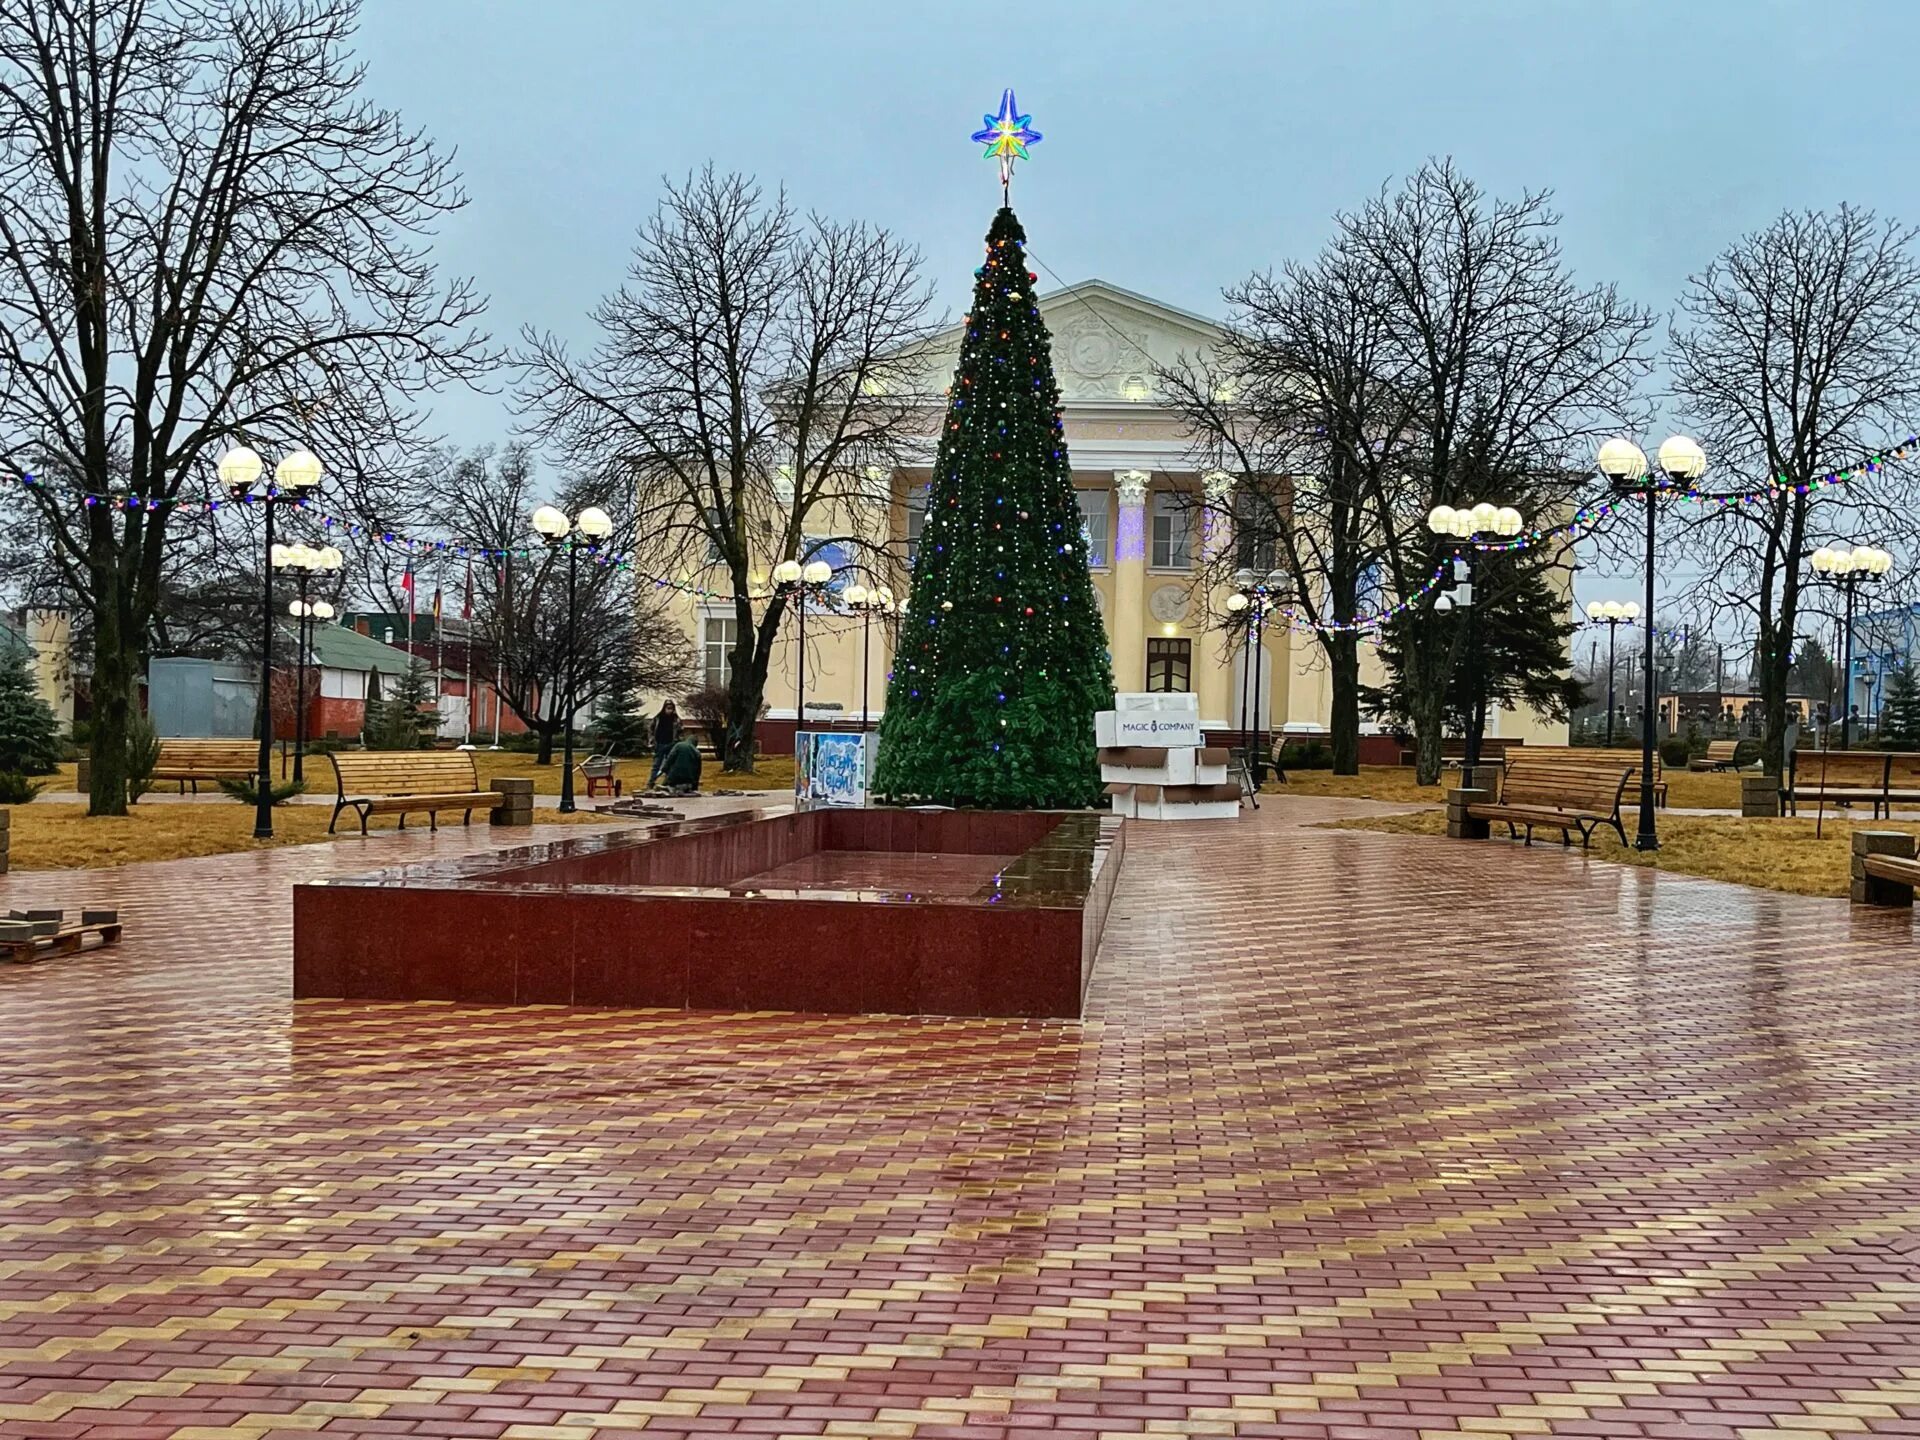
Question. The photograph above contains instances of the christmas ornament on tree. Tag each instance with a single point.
(1002, 658)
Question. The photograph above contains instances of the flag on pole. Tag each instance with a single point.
(436, 605)
(466, 598)
(406, 584)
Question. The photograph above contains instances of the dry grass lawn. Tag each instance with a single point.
(1685, 790)
(49, 836)
(1769, 854)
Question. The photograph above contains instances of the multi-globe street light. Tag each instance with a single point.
(1624, 464)
(799, 583)
(552, 525)
(1254, 597)
(867, 602)
(305, 562)
(1467, 524)
(1848, 567)
(1612, 614)
(294, 479)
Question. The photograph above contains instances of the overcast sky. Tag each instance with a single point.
(1186, 144)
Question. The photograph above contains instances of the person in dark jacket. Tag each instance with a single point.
(682, 770)
(666, 730)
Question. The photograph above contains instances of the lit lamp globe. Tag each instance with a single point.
(322, 610)
(298, 472)
(1622, 461)
(595, 523)
(1485, 517)
(818, 572)
(551, 523)
(280, 556)
(1507, 521)
(1865, 557)
(856, 595)
(1236, 603)
(1630, 610)
(882, 598)
(1596, 610)
(1439, 520)
(239, 468)
(331, 558)
(1682, 459)
(1882, 562)
(787, 572)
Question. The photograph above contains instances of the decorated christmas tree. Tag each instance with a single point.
(1002, 659)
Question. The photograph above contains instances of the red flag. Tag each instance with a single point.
(406, 584)
(466, 599)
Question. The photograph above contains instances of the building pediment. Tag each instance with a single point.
(1106, 343)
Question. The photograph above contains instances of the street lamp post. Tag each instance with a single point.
(1254, 597)
(552, 525)
(1613, 615)
(294, 478)
(305, 562)
(868, 602)
(1465, 524)
(1624, 464)
(1848, 567)
(800, 583)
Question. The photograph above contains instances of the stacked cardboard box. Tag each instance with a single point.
(1155, 765)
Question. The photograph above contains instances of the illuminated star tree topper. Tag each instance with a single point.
(1007, 136)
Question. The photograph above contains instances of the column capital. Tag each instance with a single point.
(1219, 485)
(1131, 486)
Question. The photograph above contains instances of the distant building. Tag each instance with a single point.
(1883, 641)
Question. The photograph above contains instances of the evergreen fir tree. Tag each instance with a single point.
(1002, 657)
(410, 719)
(1900, 711)
(620, 726)
(29, 730)
(1509, 651)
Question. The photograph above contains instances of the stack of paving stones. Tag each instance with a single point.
(516, 802)
(1759, 796)
(1461, 825)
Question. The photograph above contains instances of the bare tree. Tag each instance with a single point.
(1299, 407)
(206, 234)
(1799, 354)
(624, 638)
(754, 384)
(1507, 371)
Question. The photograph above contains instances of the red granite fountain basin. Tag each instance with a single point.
(837, 911)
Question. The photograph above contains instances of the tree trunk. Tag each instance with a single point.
(744, 698)
(1343, 659)
(114, 699)
(546, 733)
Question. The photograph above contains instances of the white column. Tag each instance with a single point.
(1127, 626)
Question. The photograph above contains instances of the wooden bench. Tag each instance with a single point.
(191, 761)
(1563, 793)
(1885, 871)
(402, 782)
(1453, 751)
(1903, 780)
(1836, 777)
(1720, 756)
(1629, 758)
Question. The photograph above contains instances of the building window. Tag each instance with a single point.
(1093, 525)
(1172, 547)
(718, 635)
(1170, 666)
(916, 518)
(715, 526)
(1254, 530)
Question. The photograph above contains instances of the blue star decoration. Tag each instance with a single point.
(1007, 135)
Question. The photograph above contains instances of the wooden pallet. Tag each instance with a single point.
(63, 939)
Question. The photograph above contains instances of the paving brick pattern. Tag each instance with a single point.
(1367, 1136)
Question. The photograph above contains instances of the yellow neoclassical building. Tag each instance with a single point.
(1140, 490)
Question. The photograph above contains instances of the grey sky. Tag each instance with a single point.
(1186, 144)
